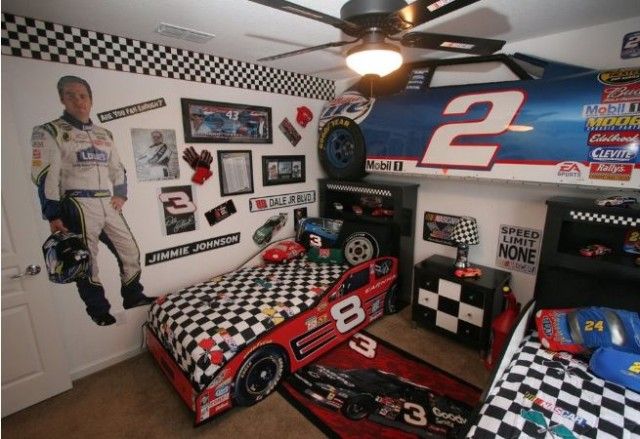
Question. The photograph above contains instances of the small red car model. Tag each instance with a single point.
(594, 250)
(468, 272)
(382, 212)
(283, 251)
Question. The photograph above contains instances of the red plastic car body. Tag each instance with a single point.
(283, 251)
(468, 272)
(594, 250)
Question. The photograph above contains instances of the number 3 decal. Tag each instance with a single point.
(177, 203)
(443, 150)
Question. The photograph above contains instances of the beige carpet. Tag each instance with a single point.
(134, 400)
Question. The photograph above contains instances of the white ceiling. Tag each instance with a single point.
(247, 31)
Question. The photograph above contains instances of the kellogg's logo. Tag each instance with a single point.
(613, 138)
(569, 170)
(626, 93)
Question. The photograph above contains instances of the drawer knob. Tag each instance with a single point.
(468, 314)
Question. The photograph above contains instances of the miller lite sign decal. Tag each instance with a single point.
(350, 104)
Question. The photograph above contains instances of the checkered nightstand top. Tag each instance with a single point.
(205, 325)
(36, 39)
(547, 394)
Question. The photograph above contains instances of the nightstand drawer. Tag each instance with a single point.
(471, 314)
(427, 282)
(472, 297)
(424, 316)
(469, 333)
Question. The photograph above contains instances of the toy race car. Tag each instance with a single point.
(283, 252)
(617, 200)
(468, 272)
(593, 250)
(264, 234)
(486, 130)
(383, 398)
(357, 247)
(379, 211)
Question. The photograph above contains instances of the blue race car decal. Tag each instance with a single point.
(571, 125)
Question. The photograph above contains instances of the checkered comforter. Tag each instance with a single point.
(543, 394)
(203, 326)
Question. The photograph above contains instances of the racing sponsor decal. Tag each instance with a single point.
(220, 212)
(518, 248)
(383, 165)
(620, 77)
(613, 138)
(610, 171)
(438, 228)
(619, 154)
(181, 251)
(626, 93)
(130, 110)
(278, 201)
(351, 104)
(617, 109)
(289, 131)
(570, 170)
(613, 123)
(630, 45)
(92, 155)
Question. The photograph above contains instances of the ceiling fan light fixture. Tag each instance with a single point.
(374, 59)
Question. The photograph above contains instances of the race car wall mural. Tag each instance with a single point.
(551, 123)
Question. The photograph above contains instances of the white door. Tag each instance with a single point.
(34, 363)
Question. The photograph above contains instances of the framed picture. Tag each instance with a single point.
(236, 172)
(282, 169)
(223, 122)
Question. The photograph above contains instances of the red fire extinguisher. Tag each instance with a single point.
(501, 327)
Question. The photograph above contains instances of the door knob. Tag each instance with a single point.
(31, 270)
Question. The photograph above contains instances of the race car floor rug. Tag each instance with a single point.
(366, 388)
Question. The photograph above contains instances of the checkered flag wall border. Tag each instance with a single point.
(36, 39)
(359, 190)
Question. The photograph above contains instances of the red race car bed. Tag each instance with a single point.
(230, 340)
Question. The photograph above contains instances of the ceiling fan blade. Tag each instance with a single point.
(451, 43)
(421, 11)
(306, 50)
(346, 26)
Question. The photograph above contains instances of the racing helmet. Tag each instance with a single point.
(304, 116)
(66, 257)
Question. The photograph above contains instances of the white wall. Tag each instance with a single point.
(29, 92)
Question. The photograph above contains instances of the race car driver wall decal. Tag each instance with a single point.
(155, 153)
(82, 186)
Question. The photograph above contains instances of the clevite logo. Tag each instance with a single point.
(613, 122)
(569, 170)
(384, 165)
(350, 104)
(91, 154)
(619, 154)
(626, 93)
(610, 171)
(613, 138)
(595, 110)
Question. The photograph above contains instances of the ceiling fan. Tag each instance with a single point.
(373, 22)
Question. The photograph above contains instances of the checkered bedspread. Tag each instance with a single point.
(203, 326)
(544, 394)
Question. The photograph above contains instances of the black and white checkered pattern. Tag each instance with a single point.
(36, 39)
(228, 313)
(465, 231)
(359, 190)
(449, 310)
(559, 393)
(605, 218)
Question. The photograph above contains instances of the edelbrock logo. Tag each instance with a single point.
(619, 154)
(613, 138)
(384, 165)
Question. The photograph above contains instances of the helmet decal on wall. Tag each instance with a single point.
(66, 257)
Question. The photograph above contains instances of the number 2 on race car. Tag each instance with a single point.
(443, 150)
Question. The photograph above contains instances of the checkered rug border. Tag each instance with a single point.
(37, 39)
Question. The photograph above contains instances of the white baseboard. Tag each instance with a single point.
(94, 367)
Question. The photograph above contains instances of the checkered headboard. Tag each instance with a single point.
(36, 39)
(604, 218)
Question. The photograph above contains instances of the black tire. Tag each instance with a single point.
(391, 300)
(259, 375)
(360, 247)
(357, 407)
(341, 149)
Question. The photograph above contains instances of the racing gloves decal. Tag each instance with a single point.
(201, 164)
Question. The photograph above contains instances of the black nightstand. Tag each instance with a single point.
(462, 308)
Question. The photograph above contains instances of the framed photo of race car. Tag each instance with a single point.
(283, 169)
(224, 122)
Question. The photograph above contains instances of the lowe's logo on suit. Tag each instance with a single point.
(91, 154)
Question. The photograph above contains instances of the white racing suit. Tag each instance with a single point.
(159, 162)
(74, 166)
